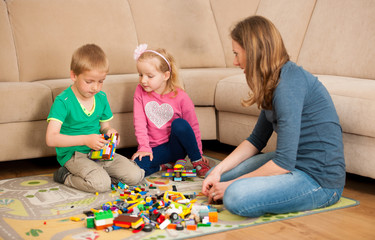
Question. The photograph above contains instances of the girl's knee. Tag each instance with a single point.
(145, 165)
(180, 125)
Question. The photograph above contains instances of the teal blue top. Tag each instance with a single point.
(76, 120)
(309, 135)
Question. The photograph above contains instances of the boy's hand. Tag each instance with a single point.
(113, 131)
(141, 155)
(95, 141)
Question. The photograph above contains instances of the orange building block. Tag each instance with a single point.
(191, 227)
(213, 216)
(172, 226)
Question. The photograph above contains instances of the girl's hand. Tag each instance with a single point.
(95, 141)
(205, 160)
(141, 155)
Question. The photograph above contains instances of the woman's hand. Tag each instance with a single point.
(209, 182)
(141, 155)
(217, 191)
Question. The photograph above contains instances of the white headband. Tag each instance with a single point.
(142, 48)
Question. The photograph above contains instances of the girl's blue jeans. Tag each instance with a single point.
(182, 142)
(291, 192)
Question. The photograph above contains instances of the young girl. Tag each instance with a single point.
(165, 123)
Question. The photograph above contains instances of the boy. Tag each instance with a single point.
(77, 118)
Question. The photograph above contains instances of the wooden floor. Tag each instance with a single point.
(350, 223)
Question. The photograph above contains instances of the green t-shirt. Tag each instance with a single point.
(76, 120)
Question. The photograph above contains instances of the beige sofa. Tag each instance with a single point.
(333, 39)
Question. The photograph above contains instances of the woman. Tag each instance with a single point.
(307, 170)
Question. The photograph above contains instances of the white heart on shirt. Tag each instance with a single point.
(159, 114)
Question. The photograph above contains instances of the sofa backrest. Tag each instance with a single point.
(291, 18)
(38, 36)
(8, 61)
(227, 14)
(187, 29)
(340, 39)
(47, 36)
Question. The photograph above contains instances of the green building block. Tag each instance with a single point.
(103, 215)
(90, 222)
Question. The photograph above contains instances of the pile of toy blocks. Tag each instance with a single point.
(107, 152)
(137, 211)
(178, 172)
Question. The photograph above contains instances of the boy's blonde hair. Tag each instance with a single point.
(89, 57)
(173, 82)
(265, 56)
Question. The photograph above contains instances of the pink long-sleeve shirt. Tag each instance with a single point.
(154, 114)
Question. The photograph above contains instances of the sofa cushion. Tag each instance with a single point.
(291, 18)
(8, 60)
(187, 29)
(21, 102)
(339, 39)
(226, 17)
(354, 99)
(24, 140)
(49, 32)
(229, 93)
(200, 84)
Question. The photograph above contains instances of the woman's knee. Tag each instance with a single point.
(237, 200)
(232, 198)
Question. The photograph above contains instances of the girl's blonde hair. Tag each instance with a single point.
(89, 57)
(265, 56)
(173, 83)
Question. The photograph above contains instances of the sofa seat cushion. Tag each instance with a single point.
(354, 99)
(229, 93)
(200, 83)
(21, 102)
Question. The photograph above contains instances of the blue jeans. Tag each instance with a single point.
(291, 192)
(182, 142)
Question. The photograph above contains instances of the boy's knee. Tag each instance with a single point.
(98, 181)
(134, 177)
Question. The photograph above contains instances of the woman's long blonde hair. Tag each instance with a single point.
(265, 56)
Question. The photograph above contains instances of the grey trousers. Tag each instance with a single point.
(96, 176)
